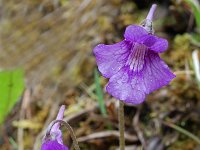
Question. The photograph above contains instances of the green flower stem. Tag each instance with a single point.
(121, 125)
(183, 131)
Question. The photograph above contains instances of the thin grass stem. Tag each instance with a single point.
(121, 125)
(183, 131)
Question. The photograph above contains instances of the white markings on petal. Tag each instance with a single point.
(136, 57)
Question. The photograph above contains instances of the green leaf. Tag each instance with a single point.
(11, 88)
(99, 94)
(194, 4)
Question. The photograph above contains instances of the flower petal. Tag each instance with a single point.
(120, 86)
(160, 45)
(132, 87)
(154, 43)
(148, 40)
(155, 73)
(53, 145)
(111, 58)
(134, 32)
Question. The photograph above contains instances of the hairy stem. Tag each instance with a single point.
(69, 128)
(121, 125)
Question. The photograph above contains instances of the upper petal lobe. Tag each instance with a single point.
(154, 43)
(134, 32)
(111, 58)
(160, 45)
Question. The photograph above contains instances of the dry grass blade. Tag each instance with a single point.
(106, 134)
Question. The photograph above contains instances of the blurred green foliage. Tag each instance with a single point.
(11, 88)
(194, 4)
(99, 94)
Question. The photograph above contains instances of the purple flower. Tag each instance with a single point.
(53, 140)
(53, 145)
(133, 65)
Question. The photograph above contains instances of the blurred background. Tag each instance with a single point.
(46, 60)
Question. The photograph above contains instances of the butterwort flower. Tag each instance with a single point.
(133, 65)
(53, 138)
